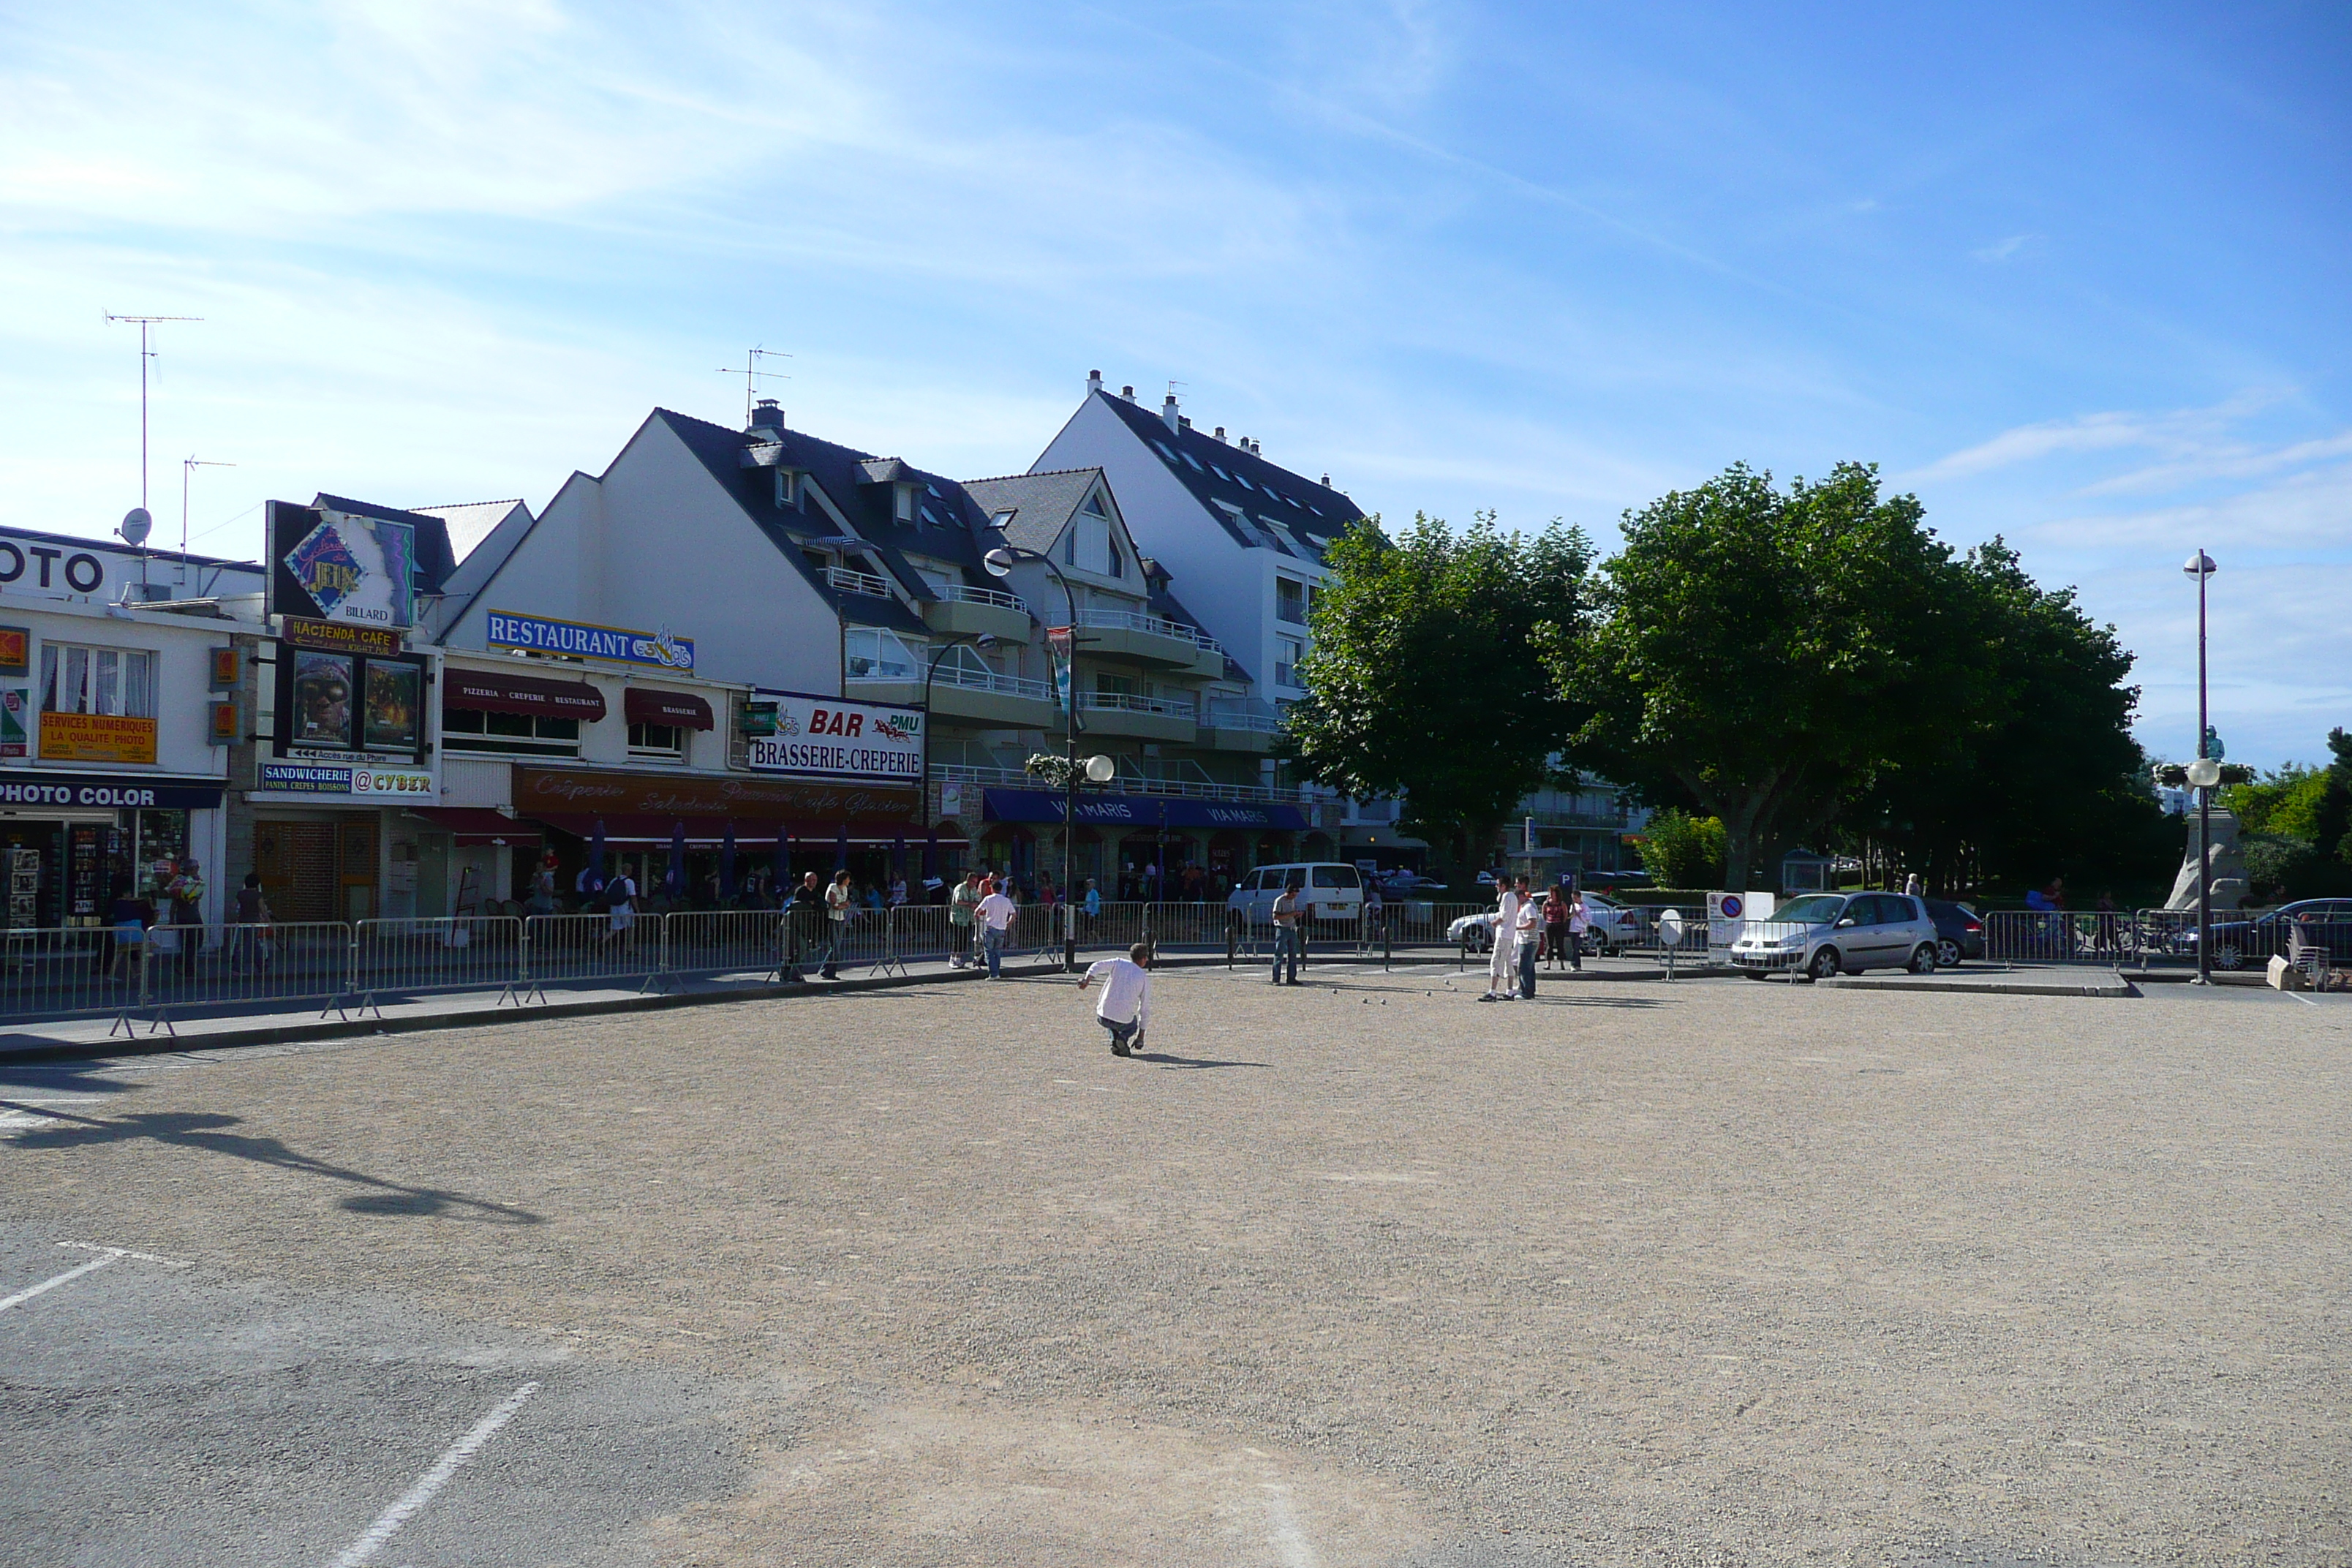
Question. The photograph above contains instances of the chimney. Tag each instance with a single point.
(768, 416)
(1093, 382)
(1327, 482)
(1221, 432)
(1128, 392)
(1185, 420)
(1169, 415)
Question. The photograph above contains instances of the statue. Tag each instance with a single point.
(2225, 863)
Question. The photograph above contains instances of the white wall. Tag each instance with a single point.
(658, 542)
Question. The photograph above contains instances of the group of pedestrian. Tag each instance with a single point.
(1526, 930)
(981, 905)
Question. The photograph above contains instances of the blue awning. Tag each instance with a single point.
(1136, 810)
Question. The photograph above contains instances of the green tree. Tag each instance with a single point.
(1761, 653)
(1424, 679)
(2038, 774)
(1684, 851)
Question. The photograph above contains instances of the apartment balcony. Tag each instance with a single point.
(1239, 727)
(959, 611)
(849, 580)
(1139, 718)
(1149, 639)
(997, 701)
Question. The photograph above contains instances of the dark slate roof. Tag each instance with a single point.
(1216, 471)
(949, 526)
(435, 559)
(1042, 504)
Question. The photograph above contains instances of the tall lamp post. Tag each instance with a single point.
(999, 562)
(2203, 774)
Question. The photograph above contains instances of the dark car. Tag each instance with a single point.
(2325, 922)
(1960, 933)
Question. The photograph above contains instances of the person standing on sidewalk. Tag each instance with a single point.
(251, 919)
(961, 904)
(1287, 931)
(1580, 921)
(1126, 1004)
(839, 895)
(1555, 927)
(1529, 924)
(1502, 956)
(995, 914)
(806, 915)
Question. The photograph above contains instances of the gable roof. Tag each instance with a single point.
(948, 525)
(1220, 475)
(1041, 504)
(470, 523)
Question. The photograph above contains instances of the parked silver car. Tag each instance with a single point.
(1822, 933)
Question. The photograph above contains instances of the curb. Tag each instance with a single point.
(294, 1033)
(1992, 988)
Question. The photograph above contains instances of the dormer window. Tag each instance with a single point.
(1117, 561)
(903, 505)
(787, 492)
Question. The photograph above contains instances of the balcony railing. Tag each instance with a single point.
(1158, 626)
(1126, 784)
(1129, 702)
(957, 594)
(986, 680)
(1240, 716)
(848, 580)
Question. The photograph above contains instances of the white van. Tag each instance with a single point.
(1327, 890)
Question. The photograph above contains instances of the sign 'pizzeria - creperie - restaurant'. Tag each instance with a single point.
(825, 737)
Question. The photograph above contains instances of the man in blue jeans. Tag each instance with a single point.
(995, 915)
(1285, 934)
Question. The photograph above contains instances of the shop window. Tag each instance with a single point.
(516, 734)
(658, 742)
(115, 681)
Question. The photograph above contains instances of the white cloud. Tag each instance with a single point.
(2008, 250)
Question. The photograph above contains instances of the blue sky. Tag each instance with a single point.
(2074, 274)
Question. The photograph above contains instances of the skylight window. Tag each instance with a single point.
(934, 489)
(1221, 473)
(1166, 450)
(1000, 520)
(1244, 480)
(1194, 461)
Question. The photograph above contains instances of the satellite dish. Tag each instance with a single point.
(136, 526)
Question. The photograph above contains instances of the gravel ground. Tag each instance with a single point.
(1359, 1273)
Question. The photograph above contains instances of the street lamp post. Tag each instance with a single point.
(2203, 774)
(999, 562)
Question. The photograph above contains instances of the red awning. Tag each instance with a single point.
(678, 709)
(483, 692)
(750, 832)
(478, 825)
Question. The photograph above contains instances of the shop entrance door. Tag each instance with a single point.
(297, 864)
(355, 866)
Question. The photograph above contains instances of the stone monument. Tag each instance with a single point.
(2227, 864)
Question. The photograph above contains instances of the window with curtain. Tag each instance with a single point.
(117, 681)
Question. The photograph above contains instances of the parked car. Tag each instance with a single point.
(1397, 884)
(1960, 933)
(1820, 934)
(2236, 942)
(1327, 890)
(1610, 927)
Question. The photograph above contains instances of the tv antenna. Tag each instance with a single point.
(188, 465)
(146, 325)
(753, 376)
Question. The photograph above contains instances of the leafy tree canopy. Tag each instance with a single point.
(1762, 652)
(1423, 678)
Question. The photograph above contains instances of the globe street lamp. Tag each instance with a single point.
(2203, 774)
(999, 562)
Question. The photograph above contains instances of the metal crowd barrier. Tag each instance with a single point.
(456, 952)
(727, 943)
(590, 947)
(60, 972)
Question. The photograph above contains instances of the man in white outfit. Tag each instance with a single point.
(1126, 1004)
(1503, 960)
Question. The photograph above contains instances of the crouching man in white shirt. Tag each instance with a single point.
(1126, 1002)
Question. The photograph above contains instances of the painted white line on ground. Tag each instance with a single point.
(71, 1274)
(126, 1252)
(1290, 1542)
(389, 1522)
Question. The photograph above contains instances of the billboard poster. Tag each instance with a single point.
(333, 566)
(826, 737)
(584, 639)
(322, 699)
(16, 701)
(395, 706)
